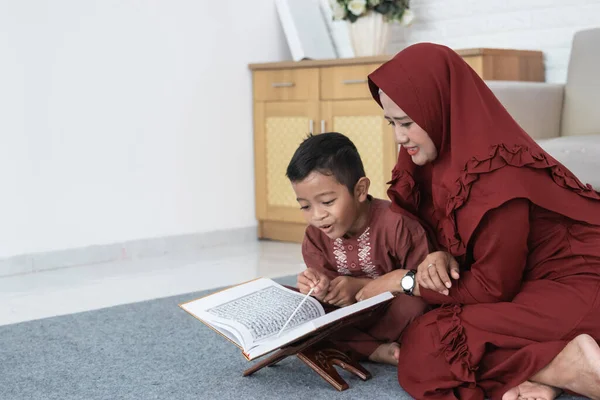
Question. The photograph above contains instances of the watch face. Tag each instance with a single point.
(407, 282)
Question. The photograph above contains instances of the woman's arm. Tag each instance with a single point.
(500, 256)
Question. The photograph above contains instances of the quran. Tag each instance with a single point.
(251, 315)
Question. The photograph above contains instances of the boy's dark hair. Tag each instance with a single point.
(330, 154)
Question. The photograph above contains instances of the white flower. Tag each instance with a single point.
(407, 17)
(338, 11)
(357, 7)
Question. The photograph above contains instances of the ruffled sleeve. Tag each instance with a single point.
(499, 157)
(500, 253)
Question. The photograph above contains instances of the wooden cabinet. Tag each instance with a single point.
(286, 84)
(362, 121)
(293, 99)
(280, 127)
(345, 82)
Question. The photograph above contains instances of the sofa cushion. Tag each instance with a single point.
(580, 154)
(536, 106)
(580, 113)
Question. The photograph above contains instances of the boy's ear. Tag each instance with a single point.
(361, 189)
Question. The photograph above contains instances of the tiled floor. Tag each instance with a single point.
(69, 290)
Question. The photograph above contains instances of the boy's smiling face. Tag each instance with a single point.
(329, 206)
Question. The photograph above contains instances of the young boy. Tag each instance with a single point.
(352, 239)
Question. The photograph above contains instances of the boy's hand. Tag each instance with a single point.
(389, 282)
(343, 289)
(310, 278)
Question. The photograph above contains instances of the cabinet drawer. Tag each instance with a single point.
(286, 84)
(348, 82)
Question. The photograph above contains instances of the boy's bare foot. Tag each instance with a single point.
(387, 353)
(575, 368)
(532, 391)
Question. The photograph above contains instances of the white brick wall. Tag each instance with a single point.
(546, 25)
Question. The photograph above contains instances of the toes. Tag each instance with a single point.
(512, 394)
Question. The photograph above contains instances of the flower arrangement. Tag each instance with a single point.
(392, 10)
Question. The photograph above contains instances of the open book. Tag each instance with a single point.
(252, 314)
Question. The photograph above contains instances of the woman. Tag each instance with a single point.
(523, 318)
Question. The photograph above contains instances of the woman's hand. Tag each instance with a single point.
(432, 273)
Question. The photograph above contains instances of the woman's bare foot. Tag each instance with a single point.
(532, 391)
(576, 368)
(387, 353)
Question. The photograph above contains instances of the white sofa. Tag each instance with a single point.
(564, 119)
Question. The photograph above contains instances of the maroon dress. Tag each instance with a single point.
(389, 241)
(524, 229)
(534, 286)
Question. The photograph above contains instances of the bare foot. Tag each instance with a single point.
(387, 353)
(576, 368)
(512, 394)
(533, 391)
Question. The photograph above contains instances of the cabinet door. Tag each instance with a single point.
(362, 121)
(279, 129)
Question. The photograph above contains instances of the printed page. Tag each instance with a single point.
(256, 310)
(351, 309)
(229, 333)
(291, 335)
(263, 313)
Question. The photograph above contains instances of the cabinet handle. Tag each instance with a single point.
(282, 84)
(322, 126)
(353, 81)
(311, 126)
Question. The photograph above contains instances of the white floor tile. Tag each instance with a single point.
(68, 290)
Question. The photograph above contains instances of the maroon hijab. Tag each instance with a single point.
(481, 150)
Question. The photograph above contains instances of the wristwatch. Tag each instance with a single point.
(408, 282)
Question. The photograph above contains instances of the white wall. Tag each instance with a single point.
(546, 25)
(124, 119)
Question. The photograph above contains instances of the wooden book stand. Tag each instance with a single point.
(319, 353)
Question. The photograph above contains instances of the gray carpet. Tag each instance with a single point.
(154, 350)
